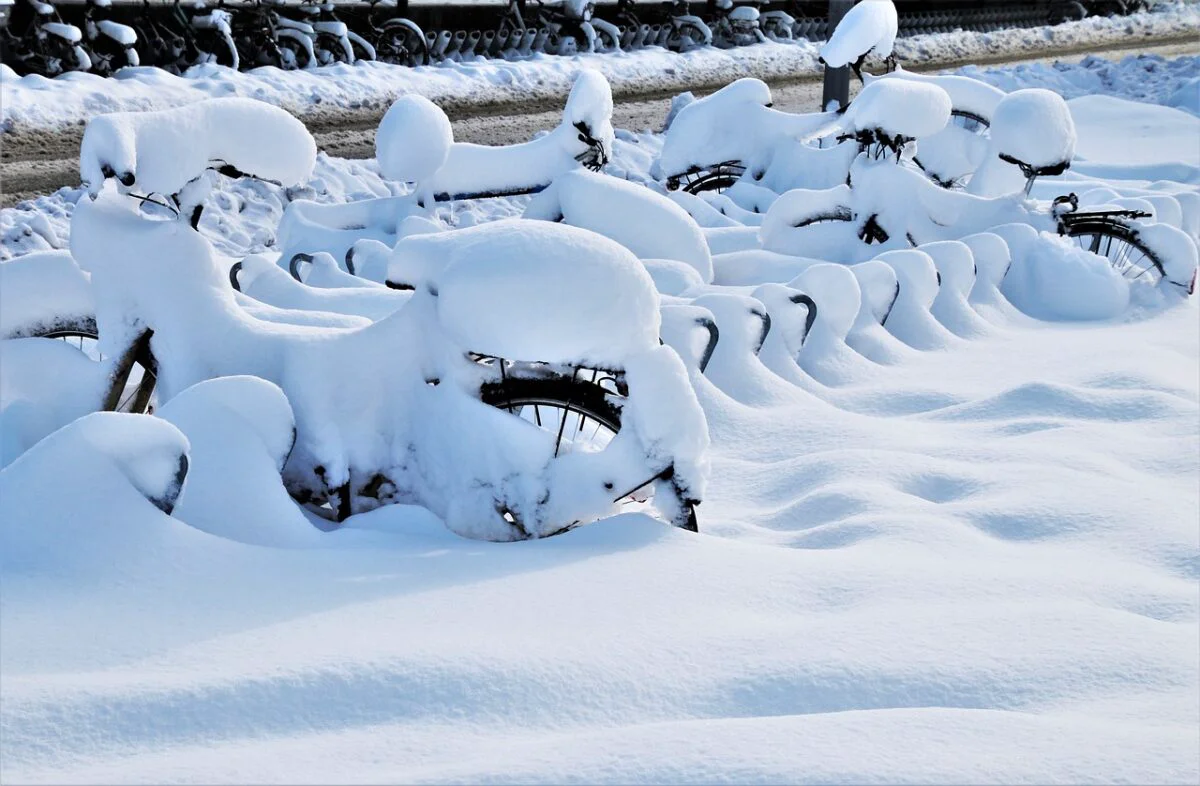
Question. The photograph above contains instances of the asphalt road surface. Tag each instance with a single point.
(39, 163)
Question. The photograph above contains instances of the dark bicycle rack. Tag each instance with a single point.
(166, 35)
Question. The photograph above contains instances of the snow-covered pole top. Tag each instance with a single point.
(869, 27)
(162, 151)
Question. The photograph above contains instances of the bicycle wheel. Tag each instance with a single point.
(140, 377)
(291, 54)
(685, 37)
(1120, 244)
(716, 178)
(401, 42)
(970, 121)
(579, 411)
(583, 414)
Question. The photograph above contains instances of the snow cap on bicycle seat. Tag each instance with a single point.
(413, 140)
(535, 291)
(900, 108)
(1035, 127)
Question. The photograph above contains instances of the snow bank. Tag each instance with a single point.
(116, 464)
(869, 27)
(413, 139)
(1121, 139)
(241, 431)
(34, 102)
(911, 320)
(262, 279)
(1139, 76)
(1055, 279)
(1187, 97)
(161, 151)
(644, 221)
(42, 292)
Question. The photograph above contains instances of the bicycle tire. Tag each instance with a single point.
(299, 59)
(398, 42)
(1118, 242)
(588, 400)
(718, 178)
(75, 333)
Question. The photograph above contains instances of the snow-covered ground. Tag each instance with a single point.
(33, 102)
(978, 563)
(978, 566)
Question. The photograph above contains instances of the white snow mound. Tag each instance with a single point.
(1034, 126)
(413, 139)
(644, 221)
(572, 295)
(900, 107)
(160, 152)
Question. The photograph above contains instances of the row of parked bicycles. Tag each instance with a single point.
(101, 36)
(523, 377)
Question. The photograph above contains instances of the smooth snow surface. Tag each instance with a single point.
(1001, 588)
(948, 529)
(1119, 133)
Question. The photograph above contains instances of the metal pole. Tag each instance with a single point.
(837, 80)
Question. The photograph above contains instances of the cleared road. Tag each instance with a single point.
(33, 164)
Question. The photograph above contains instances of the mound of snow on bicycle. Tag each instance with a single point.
(829, 343)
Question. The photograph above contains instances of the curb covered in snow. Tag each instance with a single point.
(34, 102)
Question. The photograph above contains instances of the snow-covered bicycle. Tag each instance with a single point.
(508, 422)
(711, 143)
(415, 145)
(862, 218)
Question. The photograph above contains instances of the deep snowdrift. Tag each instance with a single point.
(932, 521)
